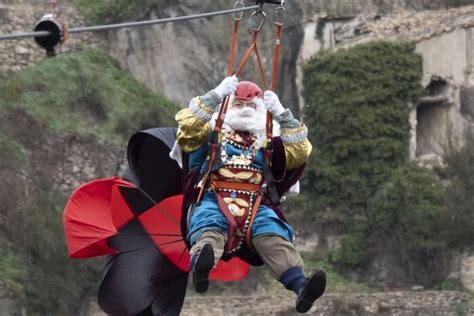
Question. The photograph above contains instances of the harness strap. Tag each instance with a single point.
(267, 173)
(234, 233)
(276, 53)
(233, 47)
(230, 65)
(260, 67)
(247, 55)
(253, 44)
(279, 22)
(233, 229)
(202, 183)
(248, 233)
(271, 188)
(224, 105)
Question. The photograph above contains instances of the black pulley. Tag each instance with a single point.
(49, 42)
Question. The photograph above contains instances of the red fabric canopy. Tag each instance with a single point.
(87, 219)
(165, 217)
(97, 210)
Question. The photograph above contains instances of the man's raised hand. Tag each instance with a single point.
(227, 87)
(272, 103)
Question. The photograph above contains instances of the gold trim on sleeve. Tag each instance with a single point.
(192, 131)
(297, 154)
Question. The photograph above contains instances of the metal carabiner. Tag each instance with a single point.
(280, 13)
(239, 16)
(258, 26)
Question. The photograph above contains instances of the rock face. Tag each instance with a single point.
(187, 59)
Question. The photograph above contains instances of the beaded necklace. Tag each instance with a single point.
(233, 138)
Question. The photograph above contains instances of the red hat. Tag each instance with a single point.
(247, 90)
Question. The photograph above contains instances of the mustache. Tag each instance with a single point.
(243, 111)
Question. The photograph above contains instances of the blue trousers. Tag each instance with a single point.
(207, 216)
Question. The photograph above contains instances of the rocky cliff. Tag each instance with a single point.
(182, 60)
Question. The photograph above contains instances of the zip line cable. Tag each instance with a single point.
(108, 27)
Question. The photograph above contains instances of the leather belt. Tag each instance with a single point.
(235, 186)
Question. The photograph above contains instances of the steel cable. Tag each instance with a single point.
(108, 27)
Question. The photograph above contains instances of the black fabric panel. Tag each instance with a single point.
(148, 157)
(131, 237)
(128, 175)
(136, 200)
(135, 280)
(170, 298)
(166, 135)
(158, 174)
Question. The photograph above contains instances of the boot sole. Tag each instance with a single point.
(203, 266)
(312, 291)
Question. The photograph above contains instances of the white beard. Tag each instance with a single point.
(247, 119)
(241, 119)
(255, 126)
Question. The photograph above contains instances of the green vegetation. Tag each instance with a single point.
(456, 3)
(98, 11)
(336, 282)
(359, 179)
(107, 11)
(459, 195)
(87, 94)
(260, 280)
(52, 282)
(12, 272)
(406, 212)
(357, 110)
(84, 98)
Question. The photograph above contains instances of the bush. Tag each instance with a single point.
(52, 282)
(99, 11)
(357, 114)
(409, 208)
(405, 218)
(107, 11)
(460, 197)
(87, 94)
(84, 98)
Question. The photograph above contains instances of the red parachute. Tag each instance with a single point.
(136, 220)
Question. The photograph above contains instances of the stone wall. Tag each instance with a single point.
(446, 69)
(394, 304)
(397, 303)
(22, 16)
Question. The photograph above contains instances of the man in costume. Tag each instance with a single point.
(234, 212)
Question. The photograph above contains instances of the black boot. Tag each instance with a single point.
(310, 291)
(201, 267)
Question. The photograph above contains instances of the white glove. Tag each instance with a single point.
(227, 87)
(272, 103)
